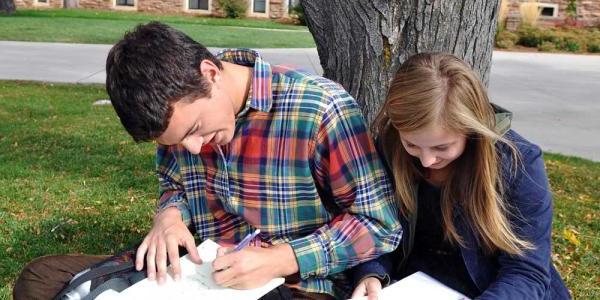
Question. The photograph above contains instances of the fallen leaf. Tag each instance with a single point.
(571, 236)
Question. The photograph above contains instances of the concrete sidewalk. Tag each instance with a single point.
(84, 63)
(555, 97)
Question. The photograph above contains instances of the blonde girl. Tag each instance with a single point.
(475, 201)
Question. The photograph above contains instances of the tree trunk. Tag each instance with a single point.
(362, 43)
(7, 7)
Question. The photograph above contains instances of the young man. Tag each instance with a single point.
(243, 145)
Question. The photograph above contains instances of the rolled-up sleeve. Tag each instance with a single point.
(350, 174)
(170, 190)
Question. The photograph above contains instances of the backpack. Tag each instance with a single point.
(118, 273)
(114, 273)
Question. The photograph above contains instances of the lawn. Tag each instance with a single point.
(107, 27)
(72, 181)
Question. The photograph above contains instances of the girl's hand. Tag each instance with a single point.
(369, 287)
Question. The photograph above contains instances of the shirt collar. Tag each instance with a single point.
(260, 96)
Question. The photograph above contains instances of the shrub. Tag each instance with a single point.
(506, 39)
(593, 46)
(572, 46)
(233, 8)
(550, 35)
(572, 9)
(563, 39)
(502, 13)
(530, 12)
(529, 36)
(570, 40)
(547, 46)
(298, 12)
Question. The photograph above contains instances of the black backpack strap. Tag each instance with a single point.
(115, 265)
(92, 274)
(115, 284)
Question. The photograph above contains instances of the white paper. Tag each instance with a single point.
(196, 283)
(419, 286)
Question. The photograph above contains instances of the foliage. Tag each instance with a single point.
(572, 9)
(234, 8)
(298, 12)
(593, 41)
(567, 39)
(593, 46)
(571, 45)
(546, 46)
(530, 13)
(7, 7)
(529, 36)
(73, 181)
(502, 13)
(506, 39)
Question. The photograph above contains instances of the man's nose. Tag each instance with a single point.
(193, 144)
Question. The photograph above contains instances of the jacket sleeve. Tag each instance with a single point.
(380, 268)
(528, 276)
(348, 171)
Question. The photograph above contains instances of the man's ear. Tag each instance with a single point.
(210, 71)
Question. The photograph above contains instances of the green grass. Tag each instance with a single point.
(72, 181)
(145, 17)
(107, 27)
(575, 184)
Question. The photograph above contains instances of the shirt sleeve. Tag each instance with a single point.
(170, 189)
(528, 276)
(351, 179)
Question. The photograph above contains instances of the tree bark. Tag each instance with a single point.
(7, 7)
(362, 43)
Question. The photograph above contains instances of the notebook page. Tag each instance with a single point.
(419, 286)
(196, 282)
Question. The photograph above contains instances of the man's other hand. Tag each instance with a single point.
(167, 234)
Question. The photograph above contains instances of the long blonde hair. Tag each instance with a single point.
(442, 89)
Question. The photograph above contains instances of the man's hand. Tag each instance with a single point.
(252, 267)
(369, 287)
(167, 234)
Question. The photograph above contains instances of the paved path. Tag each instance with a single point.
(82, 63)
(555, 97)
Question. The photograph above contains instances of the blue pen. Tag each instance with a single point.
(246, 241)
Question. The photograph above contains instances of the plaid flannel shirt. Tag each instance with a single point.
(301, 167)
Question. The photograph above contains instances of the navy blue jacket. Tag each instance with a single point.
(500, 276)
